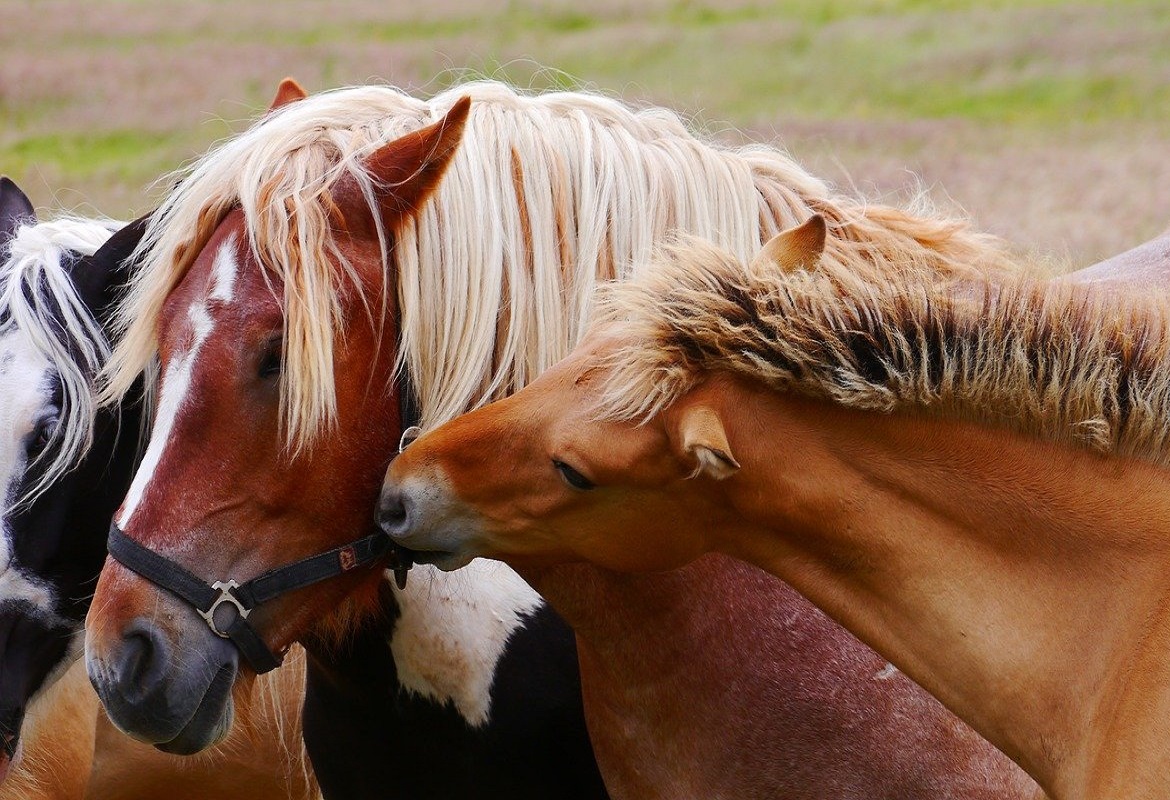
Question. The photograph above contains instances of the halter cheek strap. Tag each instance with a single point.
(242, 599)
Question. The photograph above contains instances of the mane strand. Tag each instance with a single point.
(1063, 362)
(548, 196)
(38, 297)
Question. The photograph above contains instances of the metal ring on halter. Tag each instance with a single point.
(408, 437)
(225, 596)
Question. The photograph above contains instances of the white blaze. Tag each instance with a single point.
(176, 381)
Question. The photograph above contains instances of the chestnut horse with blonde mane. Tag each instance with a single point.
(302, 267)
(971, 478)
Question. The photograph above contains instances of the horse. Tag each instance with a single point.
(312, 278)
(64, 467)
(973, 483)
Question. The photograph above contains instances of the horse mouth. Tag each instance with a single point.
(212, 718)
(401, 560)
(446, 560)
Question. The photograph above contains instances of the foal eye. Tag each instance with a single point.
(573, 477)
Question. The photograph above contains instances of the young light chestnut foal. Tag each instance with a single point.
(969, 477)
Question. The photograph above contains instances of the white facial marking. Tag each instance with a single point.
(453, 629)
(26, 389)
(176, 382)
(224, 269)
(26, 590)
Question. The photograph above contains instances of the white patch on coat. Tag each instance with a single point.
(176, 380)
(26, 388)
(453, 629)
(888, 671)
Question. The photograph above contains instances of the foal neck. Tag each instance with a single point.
(1022, 582)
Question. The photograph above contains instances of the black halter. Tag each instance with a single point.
(242, 599)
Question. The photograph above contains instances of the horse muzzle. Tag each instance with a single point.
(170, 687)
(422, 526)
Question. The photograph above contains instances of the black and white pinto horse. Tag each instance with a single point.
(468, 691)
(64, 464)
(456, 691)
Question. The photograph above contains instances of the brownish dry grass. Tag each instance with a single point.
(1045, 120)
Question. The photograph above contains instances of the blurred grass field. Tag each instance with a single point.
(1048, 122)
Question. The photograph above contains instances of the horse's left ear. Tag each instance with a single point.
(101, 278)
(289, 91)
(702, 436)
(15, 208)
(409, 168)
(795, 248)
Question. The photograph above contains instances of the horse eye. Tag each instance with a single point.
(573, 477)
(270, 363)
(41, 436)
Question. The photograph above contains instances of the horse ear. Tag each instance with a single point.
(410, 167)
(15, 208)
(795, 248)
(289, 91)
(102, 277)
(703, 437)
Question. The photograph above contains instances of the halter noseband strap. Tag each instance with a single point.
(208, 598)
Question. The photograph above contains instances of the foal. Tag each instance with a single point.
(973, 482)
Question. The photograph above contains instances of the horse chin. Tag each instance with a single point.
(443, 559)
(211, 721)
(184, 712)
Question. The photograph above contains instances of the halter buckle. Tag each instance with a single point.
(408, 437)
(225, 596)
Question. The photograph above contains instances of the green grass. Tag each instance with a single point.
(114, 154)
(106, 95)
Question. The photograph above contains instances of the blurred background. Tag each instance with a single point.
(1048, 122)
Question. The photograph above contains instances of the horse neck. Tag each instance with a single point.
(632, 621)
(1021, 582)
(696, 650)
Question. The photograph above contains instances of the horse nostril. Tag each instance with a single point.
(394, 512)
(143, 664)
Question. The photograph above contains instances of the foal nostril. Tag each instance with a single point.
(394, 512)
(144, 658)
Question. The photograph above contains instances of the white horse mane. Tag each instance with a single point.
(37, 296)
(547, 196)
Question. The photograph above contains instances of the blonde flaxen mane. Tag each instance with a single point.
(547, 196)
(1064, 362)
